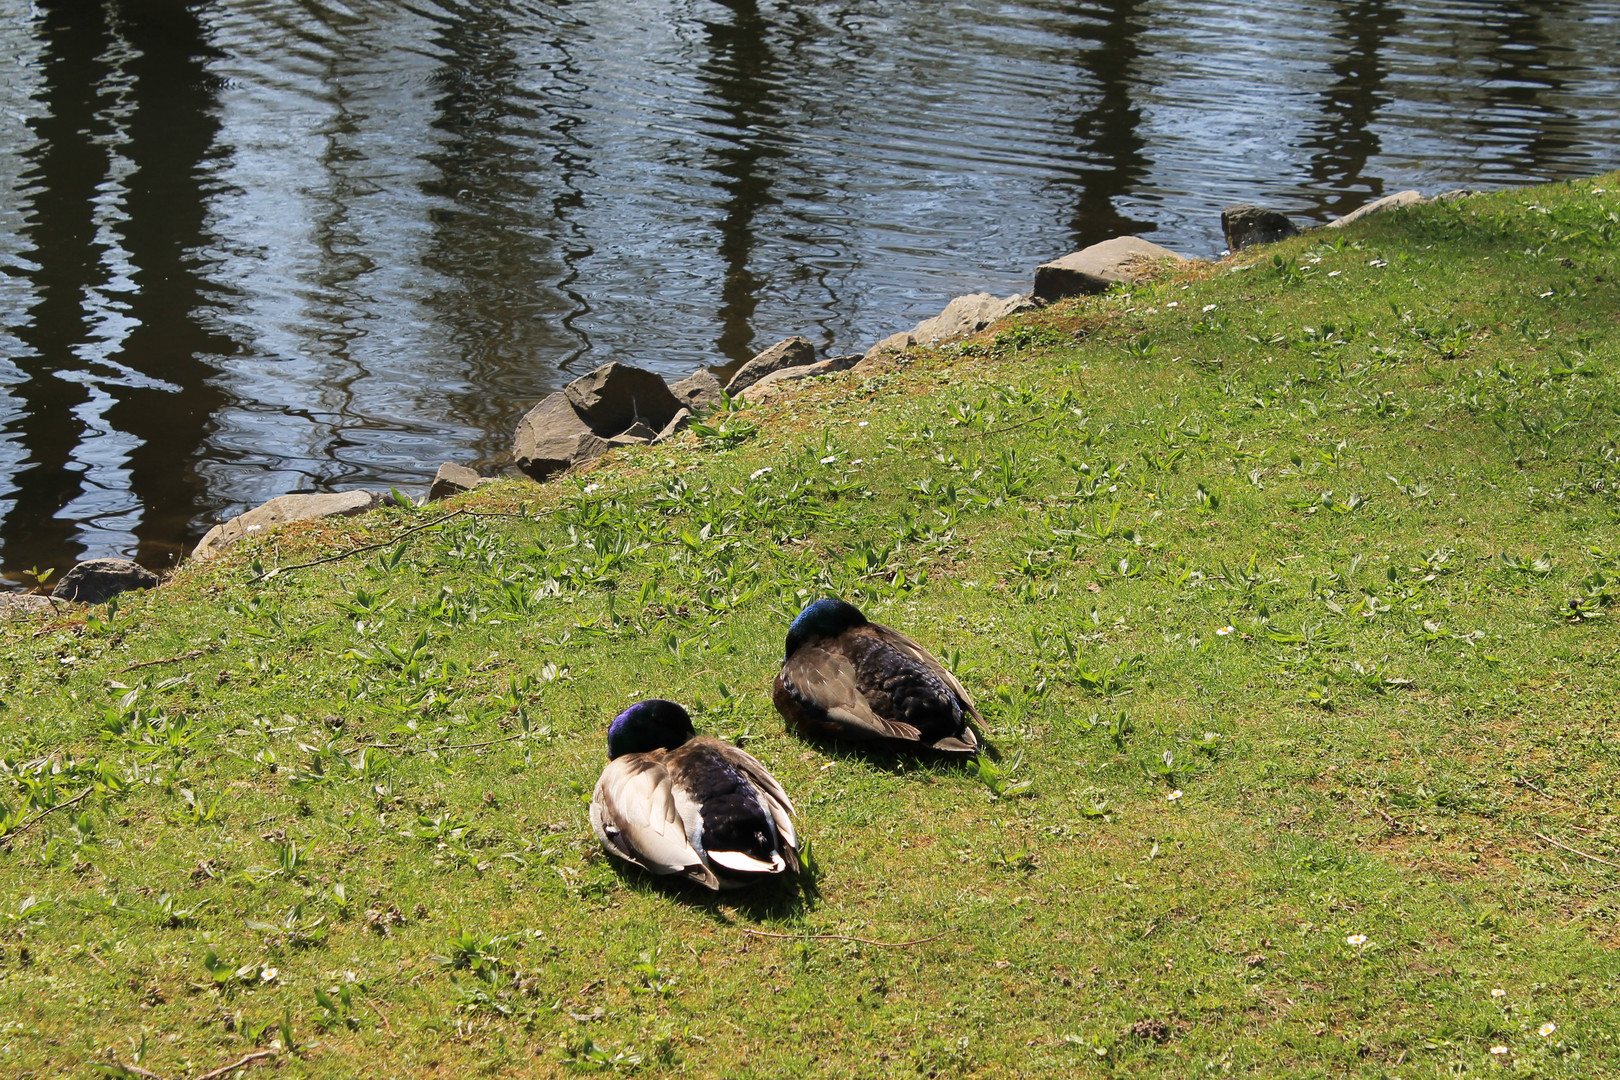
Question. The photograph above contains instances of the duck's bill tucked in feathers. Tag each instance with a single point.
(871, 683)
(705, 810)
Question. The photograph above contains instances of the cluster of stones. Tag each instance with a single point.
(620, 405)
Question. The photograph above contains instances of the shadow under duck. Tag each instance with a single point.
(847, 678)
(675, 802)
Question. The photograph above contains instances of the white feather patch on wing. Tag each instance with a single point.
(747, 864)
(634, 800)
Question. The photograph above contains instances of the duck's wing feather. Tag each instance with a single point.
(773, 797)
(820, 676)
(910, 648)
(634, 814)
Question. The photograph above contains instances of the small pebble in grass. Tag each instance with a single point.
(1498, 1050)
(1498, 993)
(1546, 1029)
(1224, 630)
(1174, 795)
(1356, 939)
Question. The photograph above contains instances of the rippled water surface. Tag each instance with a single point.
(250, 247)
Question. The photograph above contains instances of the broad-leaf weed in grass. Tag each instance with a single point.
(1285, 586)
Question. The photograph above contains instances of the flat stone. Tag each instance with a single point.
(452, 479)
(699, 390)
(1092, 270)
(552, 436)
(968, 315)
(637, 434)
(95, 581)
(1454, 194)
(679, 423)
(794, 352)
(1246, 226)
(616, 395)
(24, 605)
(279, 511)
(1388, 202)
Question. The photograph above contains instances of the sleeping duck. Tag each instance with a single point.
(674, 802)
(846, 678)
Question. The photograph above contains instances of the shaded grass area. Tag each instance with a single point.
(1286, 588)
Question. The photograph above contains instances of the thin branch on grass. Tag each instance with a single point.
(31, 822)
(248, 1059)
(841, 937)
(136, 1069)
(1522, 782)
(192, 655)
(384, 1016)
(1577, 851)
(396, 538)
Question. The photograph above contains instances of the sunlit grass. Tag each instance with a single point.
(1285, 586)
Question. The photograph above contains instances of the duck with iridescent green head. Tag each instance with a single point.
(675, 802)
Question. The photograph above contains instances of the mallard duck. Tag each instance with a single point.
(846, 678)
(675, 802)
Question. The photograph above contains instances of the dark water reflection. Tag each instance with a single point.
(252, 246)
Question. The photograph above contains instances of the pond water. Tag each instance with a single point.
(250, 247)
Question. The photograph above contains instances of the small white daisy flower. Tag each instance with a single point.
(829, 459)
(1173, 303)
(863, 423)
(1334, 273)
(591, 487)
(757, 473)
(1498, 993)
(1546, 1029)
(1209, 307)
(1224, 630)
(1356, 939)
(269, 975)
(1174, 795)
(859, 461)
(1498, 1050)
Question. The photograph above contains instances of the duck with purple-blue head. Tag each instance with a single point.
(850, 679)
(675, 802)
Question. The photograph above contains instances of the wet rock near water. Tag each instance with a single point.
(885, 354)
(96, 581)
(677, 424)
(1388, 202)
(279, 511)
(615, 405)
(452, 479)
(968, 315)
(1246, 226)
(795, 352)
(615, 396)
(829, 366)
(699, 390)
(1092, 270)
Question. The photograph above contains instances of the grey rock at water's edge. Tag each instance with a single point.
(1092, 270)
(679, 423)
(698, 390)
(637, 434)
(552, 436)
(279, 511)
(452, 479)
(968, 315)
(95, 581)
(884, 354)
(1457, 193)
(792, 353)
(616, 395)
(830, 366)
(23, 605)
(1388, 202)
(1246, 226)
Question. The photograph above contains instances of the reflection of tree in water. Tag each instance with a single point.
(1109, 159)
(1518, 114)
(1344, 140)
(739, 73)
(170, 137)
(144, 368)
(509, 297)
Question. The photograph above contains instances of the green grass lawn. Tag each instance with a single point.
(1324, 538)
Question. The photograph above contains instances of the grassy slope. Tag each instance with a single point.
(1069, 510)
